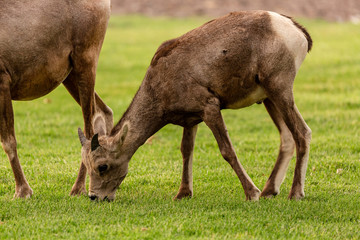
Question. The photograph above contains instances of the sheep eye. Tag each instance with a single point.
(103, 168)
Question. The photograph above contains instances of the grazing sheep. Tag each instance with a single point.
(231, 62)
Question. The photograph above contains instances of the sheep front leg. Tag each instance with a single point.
(83, 77)
(213, 119)
(187, 149)
(103, 118)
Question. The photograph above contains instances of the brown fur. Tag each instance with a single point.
(231, 62)
(164, 50)
(44, 43)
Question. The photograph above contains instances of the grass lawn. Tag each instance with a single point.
(327, 92)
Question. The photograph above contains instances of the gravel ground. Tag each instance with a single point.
(333, 10)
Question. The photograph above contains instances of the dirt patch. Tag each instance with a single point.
(333, 10)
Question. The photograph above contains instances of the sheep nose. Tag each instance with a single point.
(93, 197)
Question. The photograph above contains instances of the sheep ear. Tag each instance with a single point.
(81, 137)
(95, 142)
(99, 125)
(120, 137)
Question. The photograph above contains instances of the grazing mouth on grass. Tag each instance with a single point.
(96, 198)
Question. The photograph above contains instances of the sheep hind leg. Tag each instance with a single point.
(8, 140)
(286, 151)
(283, 98)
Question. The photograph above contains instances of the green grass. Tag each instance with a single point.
(327, 92)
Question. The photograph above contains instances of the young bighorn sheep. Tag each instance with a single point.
(231, 62)
(44, 43)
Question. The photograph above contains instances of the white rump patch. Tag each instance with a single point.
(292, 36)
(106, 3)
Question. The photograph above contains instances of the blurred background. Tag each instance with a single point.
(332, 10)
